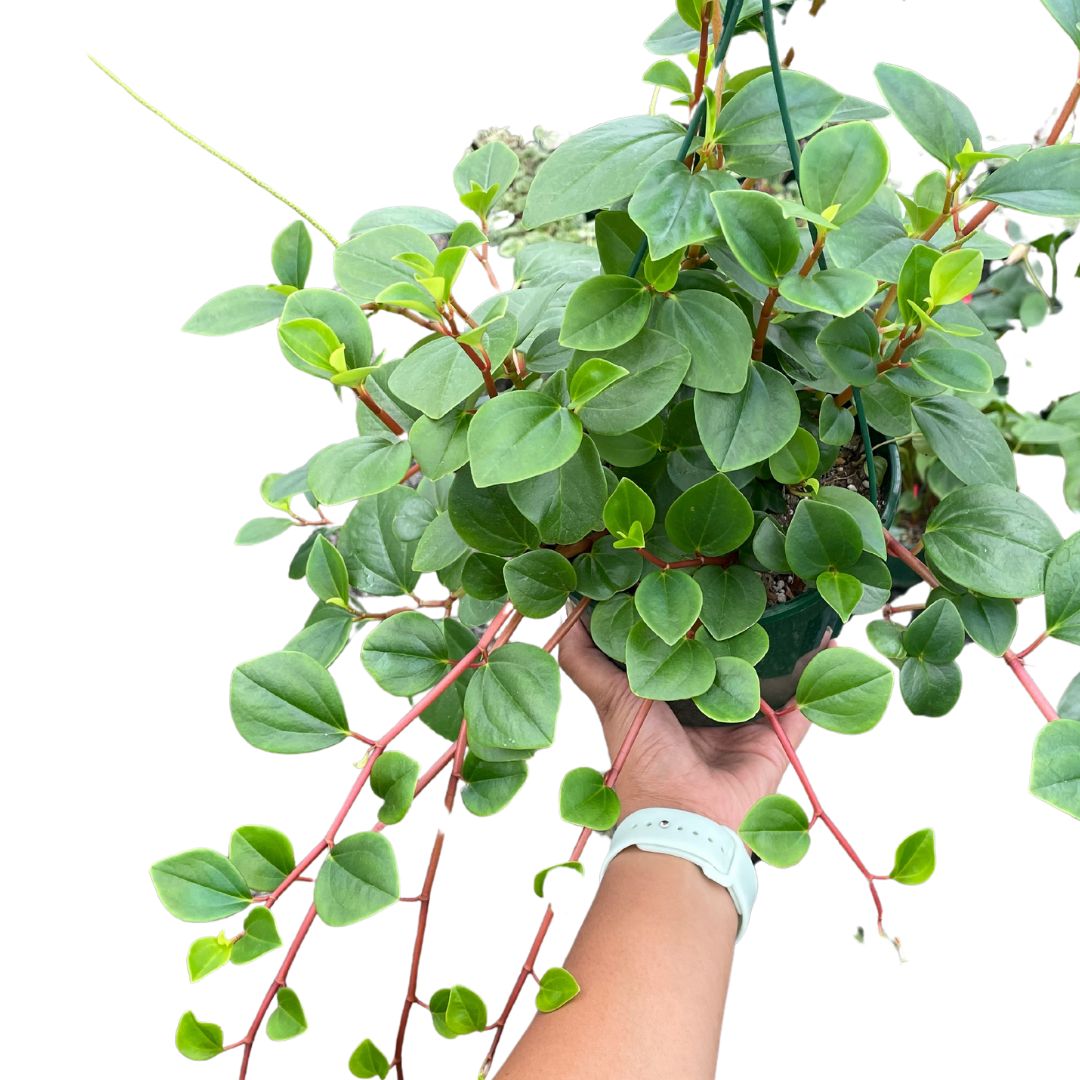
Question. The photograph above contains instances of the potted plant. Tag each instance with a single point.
(687, 432)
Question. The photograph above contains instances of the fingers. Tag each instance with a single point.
(600, 680)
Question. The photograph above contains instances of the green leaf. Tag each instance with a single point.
(435, 377)
(841, 592)
(312, 342)
(752, 116)
(487, 519)
(599, 166)
(733, 599)
(626, 507)
(287, 703)
(914, 861)
(538, 582)
(379, 562)
(936, 634)
(393, 779)
(843, 690)
(747, 427)
(710, 518)
(668, 74)
(966, 440)
(493, 165)
(326, 572)
(669, 601)
(336, 311)
(457, 1011)
(715, 331)
(513, 699)
(887, 638)
(358, 878)
(605, 312)
(777, 829)
(989, 621)
(367, 264)
(260, 936)
(1067, 13)
(433, 222)
(656, 364)
(490, 785)
(237, 309)
(1063, 592)
(665, 672)
(864, 513)
(408, 653)
(259, 530)
(584, 799)
(1055, 766)
(914, 284)
(291, 255)
(750, 644)
(843, 166)
(796, 460)
(850, 347)
(200, 886)
(357, 467)
(991, 540)
(592, 378)
(263, 856)
(835, 291)
(938, 120)
(671, 206)
(197, 1040)
(287, 1020)
(955, 275)
(368, 1060)
(566, 503)
(440, 446)
(735, 693)
(518, 435)
(821, 537)
(482, 576)
(763, 240)
(929, 689)
(603, 571)
(557, 987)
(541, 877)
(958, 369)
(1045, 181)
(207, 954)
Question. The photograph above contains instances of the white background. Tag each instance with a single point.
(134, 453)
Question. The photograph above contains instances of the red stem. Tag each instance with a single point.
(703, 55)
(381, 413)
(763, 324)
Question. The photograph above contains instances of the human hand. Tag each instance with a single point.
(718, 772)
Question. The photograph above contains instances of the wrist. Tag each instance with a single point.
(634, 799)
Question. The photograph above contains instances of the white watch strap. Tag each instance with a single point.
(715, 848)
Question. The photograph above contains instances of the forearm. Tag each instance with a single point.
(653, 959)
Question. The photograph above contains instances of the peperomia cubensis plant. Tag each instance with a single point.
(685, 434)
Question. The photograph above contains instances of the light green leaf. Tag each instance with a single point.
(844, 166)
(287, 1020)
(627, 506)
(752, 116)
(914, 861)
(263, 856)
(735, 693)
(367, 1060)
(557, 987)
(237, 309)
(592, 378)
(763, 240)
(665, 672)
(954, 276)
(541, 877)
(287, 703)
(379, 561)
(835, 291)
(259, 530)
(518, 435)
(668, 74)
(207, 954)
(958, 369)
(358, 878)
(367, 264)
(840, 591)
(843, 690)
(584, 799)
(196, 1040)
(777, 829)
(492, 165)
(200, 886)
(291, 255)
(1063, 592)
(260, 936)
(1055, 766)
(669, 601)
(796, 460)
(435, 377)
(341, 315)
(1045, 181)
(393, 779)
(1067, 14)
(605, 312)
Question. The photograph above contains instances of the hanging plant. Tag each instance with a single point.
(686, 435)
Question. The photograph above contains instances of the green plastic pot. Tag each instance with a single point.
(799, 629)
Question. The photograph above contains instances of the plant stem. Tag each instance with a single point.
(763, 324)
(577, 611)
(381, 413)
(703, 55)
(216, 153)
(815, 251)
(527, 969)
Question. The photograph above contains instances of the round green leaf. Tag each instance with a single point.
(914, 861)
(260, 936)
(592, 378)
(777, 829)
(955, 275)
(763, 240)
(752, 116)
(379, 561)
(513, 699)
(263, 856)
(843, 690)
(557, 987)
(584, 799)
(671, 206)
(936, 634)
(710, 518)
(358, 878)
(490, 785)
(821, 537)
(1055, 766)
(1045, 180)
(367, 264)
(843, 166)
(368, 1060)
(207, 954)
(287, 1020)
(958, 369)
(929, 689)
(538, 582)
(200, 886)
(487, 519)
(835, 425)
(733, 599)
(850, 347)
(358, 467)
(742, 429)
(341, 315)
(197, 1040)
(408, 653)
(604, 570)
(237, 309)
(1063, 592)
(715, 331)
(989, 621)
(842, 592)
(287, 703)
(665, 672)
(393, 779)
(796, 460)
(992, 540)
(735, 694)
(605, 312)
(836, 291)
(669, 601)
